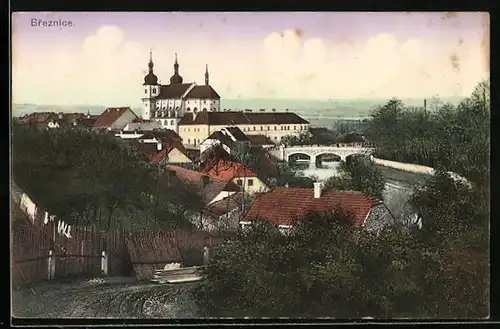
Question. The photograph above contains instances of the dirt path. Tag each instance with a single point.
(113, 298)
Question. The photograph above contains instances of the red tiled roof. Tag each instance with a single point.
(109, 116)
(238, 118)
(228, 170)
(283, 206)
(203, 92)
(173, 90)
(194, 178)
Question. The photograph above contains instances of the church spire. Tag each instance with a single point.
(206, 75)
(176, 65)
(150, 64)
(150, 78)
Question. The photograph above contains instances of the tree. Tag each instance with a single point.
(358, 173)
(287, 176)
(303, 138)
(85, 178)
(322, 268)
(454, 240)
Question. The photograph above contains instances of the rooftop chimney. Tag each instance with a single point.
(425, 104)
(317, 190)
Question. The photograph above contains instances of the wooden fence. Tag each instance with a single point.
(40, 253)
(151, 251)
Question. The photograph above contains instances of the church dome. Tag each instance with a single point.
(150, 79)
(176, 78)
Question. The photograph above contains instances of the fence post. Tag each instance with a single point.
(104, 263)
(51, 264)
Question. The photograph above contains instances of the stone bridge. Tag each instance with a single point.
(314, 151)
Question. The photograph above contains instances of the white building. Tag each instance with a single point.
(167, 104)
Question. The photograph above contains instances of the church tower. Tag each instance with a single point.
(151, 91)
(176, 78)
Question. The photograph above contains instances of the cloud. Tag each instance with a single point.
(382, 66)
(108, 66)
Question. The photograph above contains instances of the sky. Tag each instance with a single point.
(102, 57)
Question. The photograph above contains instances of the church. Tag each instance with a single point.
(167, 104)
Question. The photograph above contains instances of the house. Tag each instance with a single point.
(224, 215)
(284, 206)
(142, 126)
(209, 188)
(227, 137)
(115, 118)
(86, 122)
(195, 127)
(260, 161)
(165, 152)
(240, 174)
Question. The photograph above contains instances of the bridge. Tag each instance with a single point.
(315, 151)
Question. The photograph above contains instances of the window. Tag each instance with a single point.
(204, 109)
(239, 182)
(294, 127)
(281, 127)
(171, 122)
(204, 101)
(275, 137)
(261, 128)
(189, 141)
(275, 128)
(253, 128)
(146, 91)
(188, 109)
(189, 129)
(268, 127)
(250, 182)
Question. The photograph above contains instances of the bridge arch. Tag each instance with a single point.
(337, 156)
(299, 155)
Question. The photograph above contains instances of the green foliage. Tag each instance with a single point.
(89, 178)
(358, 173)
(304, 138)
(448, 138)
(287, 176)
(435, 268)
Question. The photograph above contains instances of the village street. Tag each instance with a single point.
(97, 298)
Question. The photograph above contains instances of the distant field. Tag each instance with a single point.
(318, 113)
